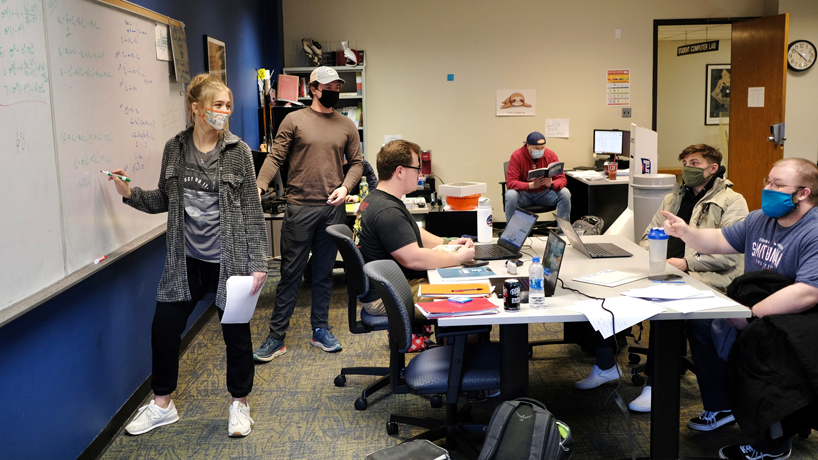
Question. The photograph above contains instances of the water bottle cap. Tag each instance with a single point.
(536, 260)
(483, 202)
(657, 233)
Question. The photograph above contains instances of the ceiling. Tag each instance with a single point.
(695, 33)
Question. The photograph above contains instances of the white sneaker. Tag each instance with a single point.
(598, 377)
(152, 416)
(642, 403)
(239, 424)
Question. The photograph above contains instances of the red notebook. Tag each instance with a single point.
(287, 88)
(444, 308)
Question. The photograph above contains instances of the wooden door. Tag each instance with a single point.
(759, 60)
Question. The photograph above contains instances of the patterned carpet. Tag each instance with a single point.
(300, 414)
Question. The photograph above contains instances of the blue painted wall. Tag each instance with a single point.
(69, 365)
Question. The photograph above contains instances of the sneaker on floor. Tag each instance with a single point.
(642, 403)
(746, 452)
(598, 377)
(323, 338)
(150, 417)
(239, 424)
(269, 349)
(709, 420)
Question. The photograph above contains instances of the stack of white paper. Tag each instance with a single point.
(610, 278)
(626, 312)
(684, 298)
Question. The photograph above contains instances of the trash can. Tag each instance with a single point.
(648, 192)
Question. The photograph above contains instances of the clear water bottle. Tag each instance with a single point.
(657, 247)
(536, 293)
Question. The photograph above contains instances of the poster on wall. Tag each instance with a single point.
(717, 99)
(515, 103)
(618, 83)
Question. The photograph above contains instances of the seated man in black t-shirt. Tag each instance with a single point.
(386, 229)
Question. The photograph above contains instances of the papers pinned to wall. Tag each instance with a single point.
(556, 127)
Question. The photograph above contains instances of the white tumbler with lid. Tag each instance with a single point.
(484, 234)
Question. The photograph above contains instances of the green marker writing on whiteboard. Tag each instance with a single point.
(126, 179)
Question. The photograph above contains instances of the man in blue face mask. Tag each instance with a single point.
(772, 365)
(542, 191)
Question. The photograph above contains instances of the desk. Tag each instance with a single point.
(602, 198)
(665, 416)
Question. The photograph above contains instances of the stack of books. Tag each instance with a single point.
(448, 308)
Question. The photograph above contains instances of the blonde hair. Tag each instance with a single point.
(806, 173)
(203, 89)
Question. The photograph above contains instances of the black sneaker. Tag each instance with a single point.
(746, 452)
(709, 421)
(269, 349)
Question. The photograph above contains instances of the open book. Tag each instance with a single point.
(553, 169)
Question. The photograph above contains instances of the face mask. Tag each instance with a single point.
(329, 98)
(215, 118)
(693, 176)
(537, 154)
(775, 203)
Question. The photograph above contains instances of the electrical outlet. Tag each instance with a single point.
(626, 112)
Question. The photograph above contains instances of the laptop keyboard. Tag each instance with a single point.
(596, 250)
(492, 250)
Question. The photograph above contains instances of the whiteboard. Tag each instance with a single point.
(98, 100)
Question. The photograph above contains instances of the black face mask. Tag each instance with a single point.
(329, 98)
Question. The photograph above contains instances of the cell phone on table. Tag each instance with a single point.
(475, 263)
(668, 277)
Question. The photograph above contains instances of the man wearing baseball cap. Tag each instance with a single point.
(542, 191)
(313, 142)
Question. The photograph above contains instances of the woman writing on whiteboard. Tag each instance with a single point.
(215, 230)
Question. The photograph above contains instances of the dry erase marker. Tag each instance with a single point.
(96, 261)
(466, 290)
(126, 179)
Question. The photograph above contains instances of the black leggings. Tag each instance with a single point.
(170, 321)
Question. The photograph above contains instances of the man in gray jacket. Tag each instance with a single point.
(704, 200)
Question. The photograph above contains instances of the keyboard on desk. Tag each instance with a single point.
(596, 250)
(492, 251)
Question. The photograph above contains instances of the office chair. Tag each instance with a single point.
(357, 288)
(539, 227)
(451, 369)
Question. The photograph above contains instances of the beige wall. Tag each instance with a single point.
(802, 87)
(561, 49)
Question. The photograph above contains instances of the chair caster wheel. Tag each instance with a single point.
(340, 380)
(638, 380)
(436, 401)
(391, 428)
(360, 404)
(633, 358)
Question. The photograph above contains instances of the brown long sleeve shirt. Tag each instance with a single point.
(314, 145)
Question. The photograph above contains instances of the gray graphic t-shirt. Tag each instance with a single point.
(200, 180)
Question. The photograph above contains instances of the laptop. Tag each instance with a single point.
(511, 240)
(551, 263)
(592, 251)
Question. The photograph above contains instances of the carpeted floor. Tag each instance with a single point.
(301, 414)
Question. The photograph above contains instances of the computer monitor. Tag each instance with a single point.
(612, 142)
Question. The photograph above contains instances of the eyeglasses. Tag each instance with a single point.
(416, 168)
(776, 186)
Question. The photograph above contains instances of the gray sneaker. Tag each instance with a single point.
(324, 339)
(150, 417)
(269, 349)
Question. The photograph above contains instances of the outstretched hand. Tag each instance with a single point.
(674, 226)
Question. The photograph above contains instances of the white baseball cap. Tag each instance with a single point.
(325, 75)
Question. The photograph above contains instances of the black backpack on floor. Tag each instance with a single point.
(523, 429)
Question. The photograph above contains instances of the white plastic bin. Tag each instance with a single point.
(648, 192)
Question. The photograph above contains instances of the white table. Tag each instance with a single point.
(665, 412)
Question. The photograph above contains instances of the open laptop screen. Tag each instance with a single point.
(518, 228)
(552, 260)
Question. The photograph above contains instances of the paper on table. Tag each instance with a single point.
(627, 312)
(610, 278)
(696, 304)
(668, 292)
(240, 304)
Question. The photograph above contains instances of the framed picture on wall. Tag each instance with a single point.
(215, 59)
(717, 97)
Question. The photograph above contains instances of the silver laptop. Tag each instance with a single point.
(551, 263)
(511, 240)
(592, 251)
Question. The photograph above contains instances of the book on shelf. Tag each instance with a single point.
(455, 290)
(553, 169)
(447, 308)
(358, 120)
(304, 92)
(287, 88)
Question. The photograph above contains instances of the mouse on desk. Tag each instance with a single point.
(421, 203)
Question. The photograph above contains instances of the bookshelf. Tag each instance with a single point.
(349, 93)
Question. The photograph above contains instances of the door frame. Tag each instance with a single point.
(678, 22)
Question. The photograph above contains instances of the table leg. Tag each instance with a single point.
(664, 416)
(514, 361)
